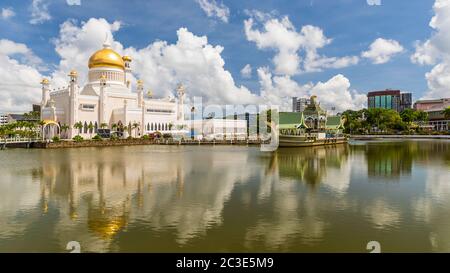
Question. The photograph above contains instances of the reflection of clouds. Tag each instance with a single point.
(338, 179)
(432, 207)
(21, 198)
(382, 215)
(120, 188)
(293, 216)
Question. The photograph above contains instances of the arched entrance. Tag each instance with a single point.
(50, 129)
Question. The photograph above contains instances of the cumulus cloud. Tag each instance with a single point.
(73, 2)
(7, 13)
(19, 80)
(214, 9)
(39, 12)
(296, 51)
(191, 60)
(381, 50)
(333, 93)
(436, 51)
(246, 71)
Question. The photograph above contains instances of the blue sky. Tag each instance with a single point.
(353, 25)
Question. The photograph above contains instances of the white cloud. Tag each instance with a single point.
(39, 12)
(191, 60)
(381, 50)
(333, 93)
(7, 13)
(246, 71)
(73, 2)
(19, 80)
(281, 36)
(214, 9)
(436, 51)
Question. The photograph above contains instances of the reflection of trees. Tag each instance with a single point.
(393, 159)
(307, 164)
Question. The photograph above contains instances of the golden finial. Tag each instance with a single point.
(149, 93)
(45, 81)
(140, 82)
(73, 73)
(126, 58)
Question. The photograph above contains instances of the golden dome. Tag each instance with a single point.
(45, 81)
(106, 57)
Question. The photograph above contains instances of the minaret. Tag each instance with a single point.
(127, 60)
(102, 104)
(180, 93)
(140, 93)
(45, 93)
(73, 105)
(51, 104)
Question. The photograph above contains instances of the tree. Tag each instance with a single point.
(135, 127)
(103, 125)
(446, 113)
(90, 128)
(78, 126)
(64, 128)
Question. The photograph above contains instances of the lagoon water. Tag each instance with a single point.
(227, 198)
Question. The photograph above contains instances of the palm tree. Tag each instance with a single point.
(103, 125)
(135, 127)
(64, 128)
(78, 126)
(114, 126)
(446, 113)
(90, 128)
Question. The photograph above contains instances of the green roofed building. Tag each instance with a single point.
(312, 119)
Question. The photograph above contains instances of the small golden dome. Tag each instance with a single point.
(106, 57)
(45, 81)
(126, 58)
(140, 82)
(73, 73)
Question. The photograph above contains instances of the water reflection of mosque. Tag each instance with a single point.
(106, 195)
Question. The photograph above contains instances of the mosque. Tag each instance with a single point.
(107, 102)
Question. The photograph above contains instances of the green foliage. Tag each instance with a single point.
(97, 138)
(77, 138)
(145, 137)
(446, 112)
(114, 137)
(167, 136)
(56, 139)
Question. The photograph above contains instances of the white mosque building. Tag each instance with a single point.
(107, 101)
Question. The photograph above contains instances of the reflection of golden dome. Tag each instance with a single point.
(106, 57)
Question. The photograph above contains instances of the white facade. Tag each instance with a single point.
(220, 128)
(108, 101)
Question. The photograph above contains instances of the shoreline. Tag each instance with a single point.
(124, 142)
(406, 137)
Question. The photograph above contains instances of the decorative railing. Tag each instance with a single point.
(19, 140)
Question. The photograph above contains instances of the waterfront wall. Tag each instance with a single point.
(368, 137)
(127, 142)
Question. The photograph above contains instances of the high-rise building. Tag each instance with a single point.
(3, 119)
(389, 99)
(299, 104)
